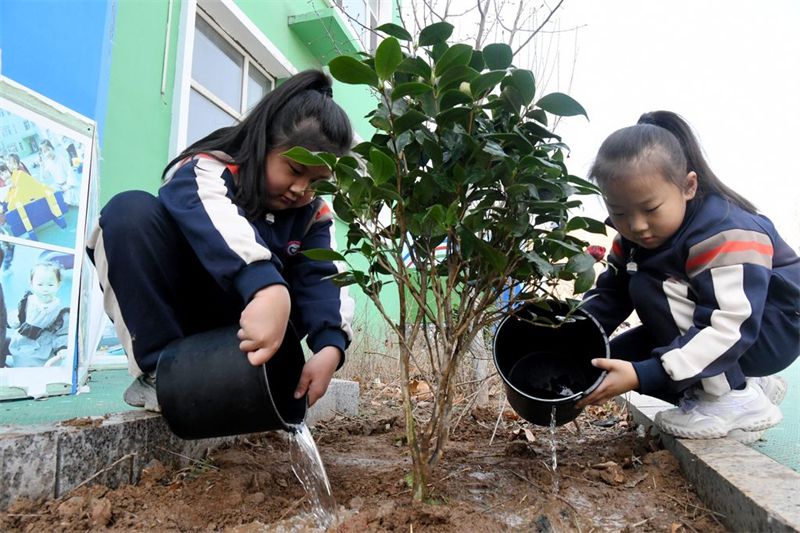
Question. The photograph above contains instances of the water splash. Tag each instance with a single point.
(307, 466)
(553, 449)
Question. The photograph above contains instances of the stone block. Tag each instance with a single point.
(28, 461)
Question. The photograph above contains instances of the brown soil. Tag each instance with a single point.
(609, 478)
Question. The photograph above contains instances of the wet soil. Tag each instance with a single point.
(496, 475)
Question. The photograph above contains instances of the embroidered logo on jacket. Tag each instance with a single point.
(293, 247)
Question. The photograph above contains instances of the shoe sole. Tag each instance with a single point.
(770, 419)
(745, 437)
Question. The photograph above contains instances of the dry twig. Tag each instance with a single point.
(105, 469)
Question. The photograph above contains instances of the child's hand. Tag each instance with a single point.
(317, 374)
(263, 323)
(621, 378)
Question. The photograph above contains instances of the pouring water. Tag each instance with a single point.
(307, 466)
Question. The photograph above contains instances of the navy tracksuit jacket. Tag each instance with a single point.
(719, 301)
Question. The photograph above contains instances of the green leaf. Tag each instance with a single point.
(454, 114)
(584, 281)
(304, 157)
(452, 98)
(589, 224)
(477, 61)
(387, 57)
(495, 257)
(349, 70)
(438, 32)
(417, 66)
(411, 88)
(323, 254)
(458, 54)
(485, 82)
(582, 184)
(580, 262)
(383, 167)
(523, 81)
(562, 105)
(322, 187)
(453, 77)
(494, 149)
(497, 56)
(408, 121)
(348, 161)
(395, 31)
(342, 209)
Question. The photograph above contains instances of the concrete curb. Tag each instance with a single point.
(750, 491)
(50, 460)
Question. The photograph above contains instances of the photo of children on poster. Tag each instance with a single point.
(41, 172)
(36, 287)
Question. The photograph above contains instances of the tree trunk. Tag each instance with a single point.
(480, 368)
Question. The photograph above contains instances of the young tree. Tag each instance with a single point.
(462, 193)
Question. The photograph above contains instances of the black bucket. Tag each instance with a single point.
(206, 387)
(544, 367)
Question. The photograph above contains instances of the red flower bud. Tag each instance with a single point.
(598, 252)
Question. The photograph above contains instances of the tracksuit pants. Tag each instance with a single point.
(155, 289)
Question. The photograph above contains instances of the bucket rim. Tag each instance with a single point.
(554, 401)
(286, 425)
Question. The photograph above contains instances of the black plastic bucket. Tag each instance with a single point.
(206, 387)
(544, 367)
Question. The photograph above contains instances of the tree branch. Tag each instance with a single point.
(533, 34)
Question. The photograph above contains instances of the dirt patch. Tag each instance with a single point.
(496, 476)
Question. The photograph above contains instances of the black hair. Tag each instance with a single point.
(18, 161)
(665, 141)
(299, 112)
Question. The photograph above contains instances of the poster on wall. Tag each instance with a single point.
(46, 163)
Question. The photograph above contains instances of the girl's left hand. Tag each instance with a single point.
(621, 378)
(317, 374)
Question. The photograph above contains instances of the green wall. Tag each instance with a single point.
(136, 139)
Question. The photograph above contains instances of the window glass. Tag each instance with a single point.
(204, 117)
(257, 86)
(216, 65)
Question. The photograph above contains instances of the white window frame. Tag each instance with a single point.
(223, 15)
(248, 63)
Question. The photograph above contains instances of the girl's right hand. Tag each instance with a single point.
(262, 324)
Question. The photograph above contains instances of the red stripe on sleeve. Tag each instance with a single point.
(728, 247)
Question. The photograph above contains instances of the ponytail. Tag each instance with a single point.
(707, 181)
(299, 112)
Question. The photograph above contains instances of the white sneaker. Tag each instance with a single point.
(774, 388)
(142, 393)
(704, 416)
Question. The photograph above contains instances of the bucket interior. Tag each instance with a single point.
(547, 363)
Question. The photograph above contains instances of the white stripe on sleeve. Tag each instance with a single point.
(680, 306)
(711, 342)
(235, 230)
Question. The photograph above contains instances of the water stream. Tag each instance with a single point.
(307, 466)
(553, 449)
